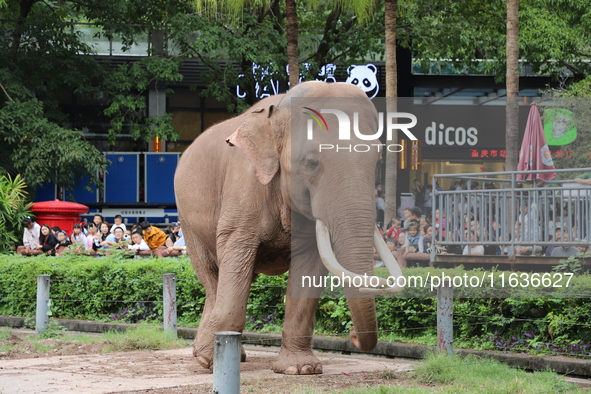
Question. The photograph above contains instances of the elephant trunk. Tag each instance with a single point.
(364, 333)
(346, 237)
(378, 285)
(357, 255)
(346, 244)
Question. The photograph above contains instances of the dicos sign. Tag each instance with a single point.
(450, 136)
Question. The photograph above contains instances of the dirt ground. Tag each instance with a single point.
(78, 368)
(20, 348)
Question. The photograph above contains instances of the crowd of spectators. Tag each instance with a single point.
(410, 235)
(100, 237)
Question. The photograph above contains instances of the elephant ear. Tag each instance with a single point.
(255, 138)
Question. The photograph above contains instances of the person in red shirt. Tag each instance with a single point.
(440, 222)
(394, 230)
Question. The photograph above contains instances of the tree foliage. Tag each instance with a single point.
(554, 34)
(45, 60)
(249, 49)
(42, 150)
(576, 98)
(229, 48)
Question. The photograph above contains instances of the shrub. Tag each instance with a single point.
(131, 289)
(13, 209)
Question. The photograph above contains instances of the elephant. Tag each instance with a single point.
(255, 196)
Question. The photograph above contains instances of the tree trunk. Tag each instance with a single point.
(291, 17)
(391, 96)
(512, 81)
(25, 7)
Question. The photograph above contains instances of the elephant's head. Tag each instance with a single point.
(325, 185)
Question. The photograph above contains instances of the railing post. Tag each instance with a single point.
(169, 300)
(42, 315)
(434, 207)
(445, 307)
(226, 362)
(513, 216)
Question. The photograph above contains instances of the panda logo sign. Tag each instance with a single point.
(365, 77)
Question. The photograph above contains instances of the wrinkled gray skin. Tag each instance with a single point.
(235, 203)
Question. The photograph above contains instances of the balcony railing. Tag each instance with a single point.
(516, 216)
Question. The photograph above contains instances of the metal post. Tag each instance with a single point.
(513, 217)
(434, 206)
(169, 299)
(445, 307)
(226, 362)
(42, 315)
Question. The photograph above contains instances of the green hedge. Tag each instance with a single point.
(95, 288)
(108, 287)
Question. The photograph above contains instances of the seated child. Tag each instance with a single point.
(62, 241)
(401, 240)
(394, 230)
(78, 237)
(391, 244)
(426, 241)
(138, 242)
(413, 237)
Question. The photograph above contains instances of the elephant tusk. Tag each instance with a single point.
(334, 267)
(390, 263)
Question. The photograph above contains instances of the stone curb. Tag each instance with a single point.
(561, 365)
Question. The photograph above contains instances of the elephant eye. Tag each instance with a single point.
(312, 163)
(366, 82)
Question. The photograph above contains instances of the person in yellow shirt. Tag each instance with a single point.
(153, 236)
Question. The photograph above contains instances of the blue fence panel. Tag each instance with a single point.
(159, 177)
(81, 195)
(46, 192)
(122, 178)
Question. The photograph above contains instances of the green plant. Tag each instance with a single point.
(29, 323)
(142, 338)
(53, 330)
(13, 209)
(473, 374)
(136, 313)
(93, 288)
(5, 333)
(570, 264)
(333, 316)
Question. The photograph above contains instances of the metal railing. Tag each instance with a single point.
(497, 209)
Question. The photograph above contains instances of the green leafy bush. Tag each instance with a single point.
(14, 207)
(111, 287)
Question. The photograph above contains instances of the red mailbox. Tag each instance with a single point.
(63, 214)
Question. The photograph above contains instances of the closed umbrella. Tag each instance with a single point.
(535, 154)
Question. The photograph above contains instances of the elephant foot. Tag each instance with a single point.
(297, 363)
(204, 357)
(206, 360)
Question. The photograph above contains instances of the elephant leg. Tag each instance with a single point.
(295, 356)
(201, 343)
(205, 267)
(226, 311)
